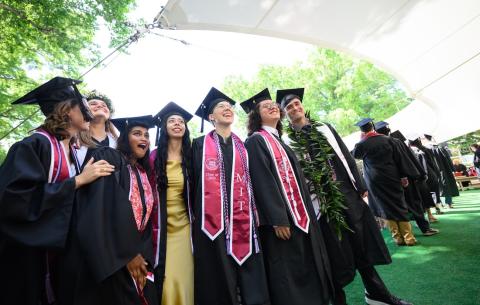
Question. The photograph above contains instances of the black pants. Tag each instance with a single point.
(372, 282)
(422, 223)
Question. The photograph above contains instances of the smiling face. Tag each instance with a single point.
(175, 126)
(294, 110)
(269, 112)
(222, 114)
(139, 140)
(99, 109)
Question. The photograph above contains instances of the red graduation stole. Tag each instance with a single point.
(237, 216)
(289, 184)
(59, 170)
(369, 134)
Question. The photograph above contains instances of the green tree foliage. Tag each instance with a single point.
(338, 89)
(49, 37)
(462, 143)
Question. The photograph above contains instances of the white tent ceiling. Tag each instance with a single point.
(431, 46)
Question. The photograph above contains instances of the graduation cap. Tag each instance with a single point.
(250, 104)
(398, 135)
(167, 111)
(171, 109)
(364, 124)
(381, 124)
(414, 139)
(213, 97)
(412, 136)
(123, 124)
(284, 96)
(382, 127)
(56, 90)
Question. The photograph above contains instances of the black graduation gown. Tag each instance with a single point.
(427, 159)
(298, 269)
(476, 158)
(217, 275)
(364, 246)
(448, 184)
(91, 150)
(413, 195)
(34, 217)
(162, 246)
(104, 238)
(383, 168)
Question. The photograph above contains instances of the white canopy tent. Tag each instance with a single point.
(431, 46)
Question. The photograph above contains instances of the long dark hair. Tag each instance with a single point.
(160, 162)
(255, 121)
(123, 145)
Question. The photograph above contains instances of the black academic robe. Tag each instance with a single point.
(34, 217)
(448, 184)
(298, 269)
(476, 158)
(217, 275)
(420, 185)
(103, 239)
(162, 223)
(413, 192)
(364, 246)
(427, 159)
(383, 169)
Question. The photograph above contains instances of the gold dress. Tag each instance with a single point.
(178, 283)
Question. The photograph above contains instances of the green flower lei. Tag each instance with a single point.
(319, 174)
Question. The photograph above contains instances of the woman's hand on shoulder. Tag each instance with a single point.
(92, 171)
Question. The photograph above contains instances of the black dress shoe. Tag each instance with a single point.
(384, 300)
(431, 232)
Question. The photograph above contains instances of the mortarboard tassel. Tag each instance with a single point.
(157, 136)
(203, 117)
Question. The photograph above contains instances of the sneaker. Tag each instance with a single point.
(385, 300)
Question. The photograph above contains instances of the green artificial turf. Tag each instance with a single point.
(444, 269)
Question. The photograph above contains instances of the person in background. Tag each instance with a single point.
(475, 148)
(417, 196)
(460, 168)
(449, 188)
(386, 176)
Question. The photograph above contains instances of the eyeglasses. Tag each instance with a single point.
(270, 106)
(224, 106)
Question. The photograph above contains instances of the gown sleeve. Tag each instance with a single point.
(405, 165)
(34, 212)
(268, 195)
(357, 151)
